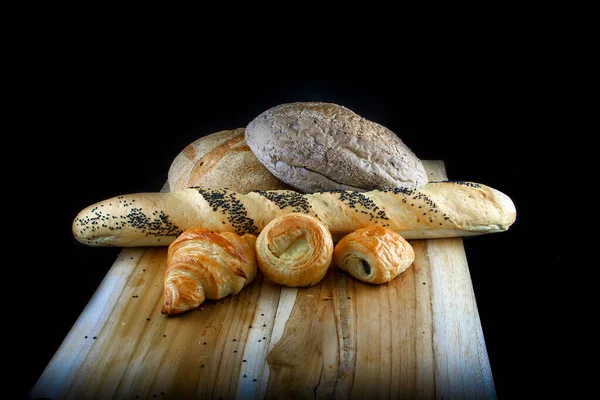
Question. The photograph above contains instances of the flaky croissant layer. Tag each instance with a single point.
(202, 264)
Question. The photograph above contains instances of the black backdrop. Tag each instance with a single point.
(108, 129)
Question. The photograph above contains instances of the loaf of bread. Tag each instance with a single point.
(438, 209)
(221, 160)
(315, 146)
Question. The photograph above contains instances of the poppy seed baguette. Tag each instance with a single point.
(438, 209)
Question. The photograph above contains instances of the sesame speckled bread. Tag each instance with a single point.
(438, 209)
(221, 160)
(325, 146)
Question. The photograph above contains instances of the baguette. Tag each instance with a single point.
(436, 210)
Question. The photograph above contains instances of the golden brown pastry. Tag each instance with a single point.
(373, 255)
(294, 250)
(203, 265)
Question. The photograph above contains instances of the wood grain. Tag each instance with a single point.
(418, 336)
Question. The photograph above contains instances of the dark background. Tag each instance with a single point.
(111, 125)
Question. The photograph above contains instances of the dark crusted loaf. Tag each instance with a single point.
(325, 146)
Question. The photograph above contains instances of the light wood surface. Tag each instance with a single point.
(419, 336)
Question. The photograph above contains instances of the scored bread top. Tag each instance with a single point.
(221, 160)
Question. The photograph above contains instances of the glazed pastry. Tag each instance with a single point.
(203, 265)
(294, 250)
(373, 255)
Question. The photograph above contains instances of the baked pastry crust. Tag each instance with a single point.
(373, 255)
(294, 250)
(202, 264)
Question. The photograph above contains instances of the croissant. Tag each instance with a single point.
(294, 250)
(374, 255)
(202, 264)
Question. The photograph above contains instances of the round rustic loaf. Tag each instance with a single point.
(221, 160)
(325, 146)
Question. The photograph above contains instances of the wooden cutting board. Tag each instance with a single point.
(418, 336)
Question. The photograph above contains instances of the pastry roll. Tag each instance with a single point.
(373, 255)
(203, 265)
(294, 250)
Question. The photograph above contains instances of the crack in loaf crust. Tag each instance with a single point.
(325, 146)
(438, 209)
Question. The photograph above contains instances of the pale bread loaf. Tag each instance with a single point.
(438, 209)
(221, 160)
(325, 146)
